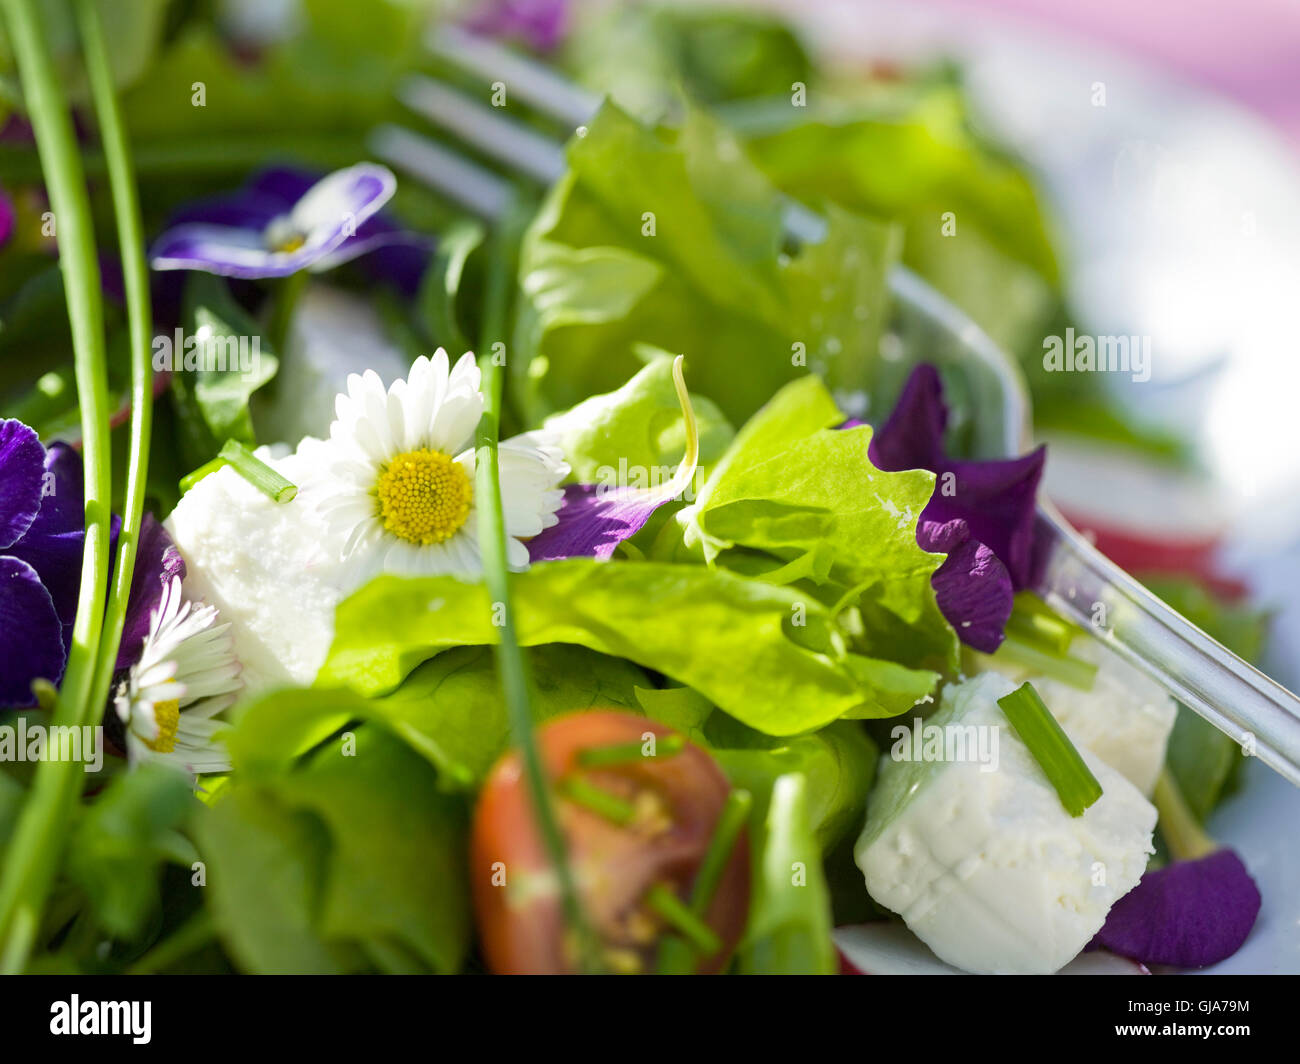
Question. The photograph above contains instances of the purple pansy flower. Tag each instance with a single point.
(540, 24)
(594, 519)
(42, 536)
(281, 223)
(981, 513)
(1189, 914)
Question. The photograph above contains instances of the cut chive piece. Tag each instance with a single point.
(190, 479)
(676, 955)
(1051, 748)
(610, 806)
(1072, 671)
(1040, 629)
(256, 472)
(625, 753)
(663, 901)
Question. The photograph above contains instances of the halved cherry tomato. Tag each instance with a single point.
(677, 797)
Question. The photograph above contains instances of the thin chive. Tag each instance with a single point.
(135, 274)
(1075, 784)
(512, 666)
(32, 853)
(1072, 671)
(663, 901)
(613, 808)
(628, 753)
(676, 957)
(1040, 629)
(190, 479)
(256, 472)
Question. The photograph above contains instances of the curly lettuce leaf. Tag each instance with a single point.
(609, 439)
(794, 487)
(768, 655)
(672, 238)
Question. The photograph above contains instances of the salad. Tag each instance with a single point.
(606, 585)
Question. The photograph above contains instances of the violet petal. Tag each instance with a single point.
(22, 468)
(912, 435)
(592, 522)
(53, 544)
(30, 633)
(157, 561)
(1189, 914)
(972, 587)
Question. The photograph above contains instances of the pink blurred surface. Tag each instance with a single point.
(1247, 49)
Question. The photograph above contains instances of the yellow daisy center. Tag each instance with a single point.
(290, 243)
(167, 715)
(424, 496)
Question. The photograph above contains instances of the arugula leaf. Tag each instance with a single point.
(636, 428)
(673, 238)
(735, 641)
(789, 929)
(809, 495)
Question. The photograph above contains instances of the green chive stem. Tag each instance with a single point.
(676, 956)
(34, 848)
(135, 274)
(190, 479)
(1051, 748)
(512, 666)
(600, 801)
(256, 472)
(1072, 671)
(629, 753)
(664, 902)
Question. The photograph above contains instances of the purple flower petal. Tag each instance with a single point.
(994, 498)
(1189, 914)
(591, 522)
(230, 237)
(53, 544)
(30, 632)
(22, 468)
(972, 587)
(540, 24)
(912, 436)
(157, 560)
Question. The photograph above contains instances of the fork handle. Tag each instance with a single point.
(1238, 699)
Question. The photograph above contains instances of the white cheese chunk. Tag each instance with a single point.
(1125, 719)
(269, 567)
(986, 866)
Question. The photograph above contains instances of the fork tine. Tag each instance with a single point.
(472, 186)
(537, 86)
(495, 134)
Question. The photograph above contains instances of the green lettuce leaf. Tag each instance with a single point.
(609, 439)
(672, 238)
(838, 763)
(808, 494)
(737, 642)
(353, 860)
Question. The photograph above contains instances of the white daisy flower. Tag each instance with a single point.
(395, 481)
(186, 675)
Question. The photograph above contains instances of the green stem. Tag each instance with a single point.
(512, 666)
(135, 274)
(1182, 832)
(34, 849)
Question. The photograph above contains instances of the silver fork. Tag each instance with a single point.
(1077, 581)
